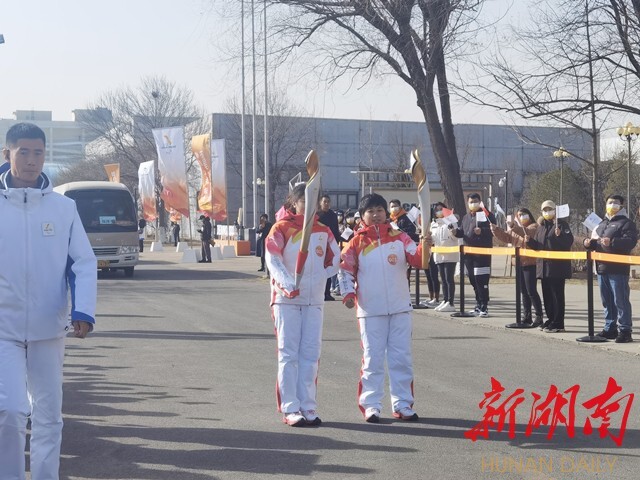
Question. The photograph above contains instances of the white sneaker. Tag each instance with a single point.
(372, 415)
(407, 414)
(433, 303)
(439, 307)
(311, 417)
(424, 303)
(447, 308)
(294, 419)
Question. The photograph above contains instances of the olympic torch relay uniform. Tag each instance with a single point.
(46, 261)
(373, 268)
(298, 320)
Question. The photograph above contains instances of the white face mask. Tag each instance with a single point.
(439, 214)
(394, 209)
(524, 218)
(549, 214)
(474, 206)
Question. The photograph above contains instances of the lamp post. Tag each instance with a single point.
(629, 132)
(561, 154)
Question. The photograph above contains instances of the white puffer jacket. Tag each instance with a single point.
(46, 261)
(441, 237)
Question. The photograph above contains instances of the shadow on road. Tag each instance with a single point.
(94, 447)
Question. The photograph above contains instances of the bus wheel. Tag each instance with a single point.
(128, 272)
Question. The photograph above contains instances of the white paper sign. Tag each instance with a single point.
(563, 210)
(481, 216)
(592, 221)
(509, 218)
(413, 214)
(451, 219)
(346, 233)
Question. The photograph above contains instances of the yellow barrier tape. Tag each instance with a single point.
(445, 249)
(610, 257)
(525, 252)
(490, 251)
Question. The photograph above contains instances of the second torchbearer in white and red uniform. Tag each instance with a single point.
(373, 271)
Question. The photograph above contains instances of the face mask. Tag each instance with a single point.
(524, 219)
(549, 215)
(613, 208)
(394, 209)
(439, 214)
(474, 207)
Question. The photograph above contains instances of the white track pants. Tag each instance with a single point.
(299, 334)
(389, 337)
(31, 382)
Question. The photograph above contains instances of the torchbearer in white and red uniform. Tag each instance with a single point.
(298, 312)
(373, 274)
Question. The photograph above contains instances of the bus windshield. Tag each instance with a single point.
(105, 211)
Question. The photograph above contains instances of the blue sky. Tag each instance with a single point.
(61, 54)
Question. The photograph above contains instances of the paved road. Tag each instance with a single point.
(178, 383)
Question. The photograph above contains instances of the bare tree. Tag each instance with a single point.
(575, 65)
(291, 136)
(412, 39)
(123, 120)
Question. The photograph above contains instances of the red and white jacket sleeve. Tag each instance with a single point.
(348, 272)
(412, 252)
(274, 246)
(332, 258)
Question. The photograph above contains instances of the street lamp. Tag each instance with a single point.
(629, 132)
(561, 154)
(504, 182)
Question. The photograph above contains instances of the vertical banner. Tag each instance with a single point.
(201, 148)
(113, 172)
(146, 186)
(171, 166)
(219, 180)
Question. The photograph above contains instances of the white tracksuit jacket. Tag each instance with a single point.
(45, 258)
(281, 253)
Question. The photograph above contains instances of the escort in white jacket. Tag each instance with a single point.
(48, 268)
(50, 257)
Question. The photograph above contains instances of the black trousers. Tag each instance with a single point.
(433, 283)
(206, 251)
(553, 295)
(447, 271)
(530, 296)
(479, 272)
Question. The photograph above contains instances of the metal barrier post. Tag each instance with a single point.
(462, 313)
(591, 338)
(519, 323)
(417, 304)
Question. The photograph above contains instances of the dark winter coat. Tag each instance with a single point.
(405, 225)
(466, 230)
(624, 236)
(545, 239)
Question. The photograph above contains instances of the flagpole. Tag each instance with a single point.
(242, 128)
(254, 146)
(266, 120)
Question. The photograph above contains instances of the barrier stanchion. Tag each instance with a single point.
(462, 312)
(592, 337)
(417, 303)
(519, 323)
